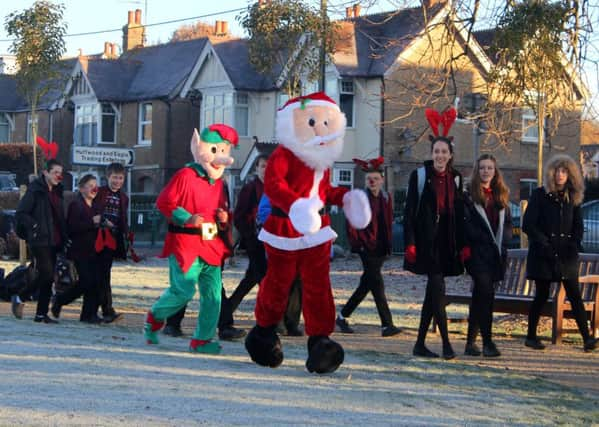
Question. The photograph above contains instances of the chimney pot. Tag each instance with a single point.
(357, 9)
(107, 49)
(130, 17)
(113, 50)
(225, 27)
(138, 16)
(349, 12)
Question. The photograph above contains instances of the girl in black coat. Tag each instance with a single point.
(488, 229)
(83, 223)
(553, 223)
(433, 233)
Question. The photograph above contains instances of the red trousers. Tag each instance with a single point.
(313, 265)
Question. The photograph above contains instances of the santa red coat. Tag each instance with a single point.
(287, 179)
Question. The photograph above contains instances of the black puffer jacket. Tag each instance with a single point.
(34, 215)
(420, 224)
(554, 228)
(486, 256)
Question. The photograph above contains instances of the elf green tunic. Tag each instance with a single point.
(194, 258)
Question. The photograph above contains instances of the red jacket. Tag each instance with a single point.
(287, 178)
(368, 238)
(190, 192)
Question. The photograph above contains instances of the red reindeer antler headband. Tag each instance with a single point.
(372, 165)
(446, 119)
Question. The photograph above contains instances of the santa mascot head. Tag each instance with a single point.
(312, 127)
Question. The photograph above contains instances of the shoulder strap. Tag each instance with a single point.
(421, 172)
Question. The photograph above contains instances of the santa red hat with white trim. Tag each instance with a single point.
(312, 100)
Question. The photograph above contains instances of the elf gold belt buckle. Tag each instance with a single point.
(209, 230)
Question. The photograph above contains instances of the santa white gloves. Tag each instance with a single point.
(357, 209)
(305, 217)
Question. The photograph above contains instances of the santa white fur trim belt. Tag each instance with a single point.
(296, 243)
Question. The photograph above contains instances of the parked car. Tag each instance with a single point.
(7, 181)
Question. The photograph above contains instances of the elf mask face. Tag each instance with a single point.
(213, 155)
(314, 133)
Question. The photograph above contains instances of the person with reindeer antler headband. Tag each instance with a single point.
(433, 227)
(373, 245)
(41, 223)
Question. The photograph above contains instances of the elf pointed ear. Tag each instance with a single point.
(195, 146)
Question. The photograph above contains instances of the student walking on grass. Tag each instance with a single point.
(488, 229)
(433, 227)
(83, 222)
(553, 224)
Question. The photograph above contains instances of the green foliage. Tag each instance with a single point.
(38, 45)
(530, 46)
(283, 36)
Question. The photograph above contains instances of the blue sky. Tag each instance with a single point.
(91, 15)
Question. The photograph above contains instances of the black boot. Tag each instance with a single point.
(490, 350)
(590, 344)
(472, 350)
(324, 355)
(264, 346)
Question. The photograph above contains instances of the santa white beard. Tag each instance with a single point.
(315, 156)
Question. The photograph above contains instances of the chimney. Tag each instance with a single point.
(225, 27)
(357, 9)
(349, 12)
(134, 34)
(83, 61)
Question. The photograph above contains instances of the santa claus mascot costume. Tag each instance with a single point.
(197, 210)
(297, 235)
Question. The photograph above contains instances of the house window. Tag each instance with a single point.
(530, 130)
(144, 131)
(4, 128)
(346, 101)
(108, 124)
(242, 113)
(343, 178)
(217, 109)
(86, 125)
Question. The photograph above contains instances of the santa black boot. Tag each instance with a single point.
(264, 346)
(324, 355)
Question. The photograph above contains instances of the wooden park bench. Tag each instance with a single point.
(515, 293)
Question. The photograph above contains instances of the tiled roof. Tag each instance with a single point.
(235, 58)
(370, 44)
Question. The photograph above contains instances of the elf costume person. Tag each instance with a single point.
(197, 212)
(297, 235)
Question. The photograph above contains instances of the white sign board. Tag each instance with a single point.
(100, 156)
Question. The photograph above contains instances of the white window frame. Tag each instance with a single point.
(353, 95)
(529, 122)
(6, 122)
(142, 123)
(218, 107)
(82, 117)
(242, 106)
(337, 178)
(101, 125)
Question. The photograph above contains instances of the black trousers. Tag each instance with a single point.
(104, 287)
(253, 275)
(542, 294)
(434, 306)
(86, 287)
(480, 316)
(370, 281)
(45, 261)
